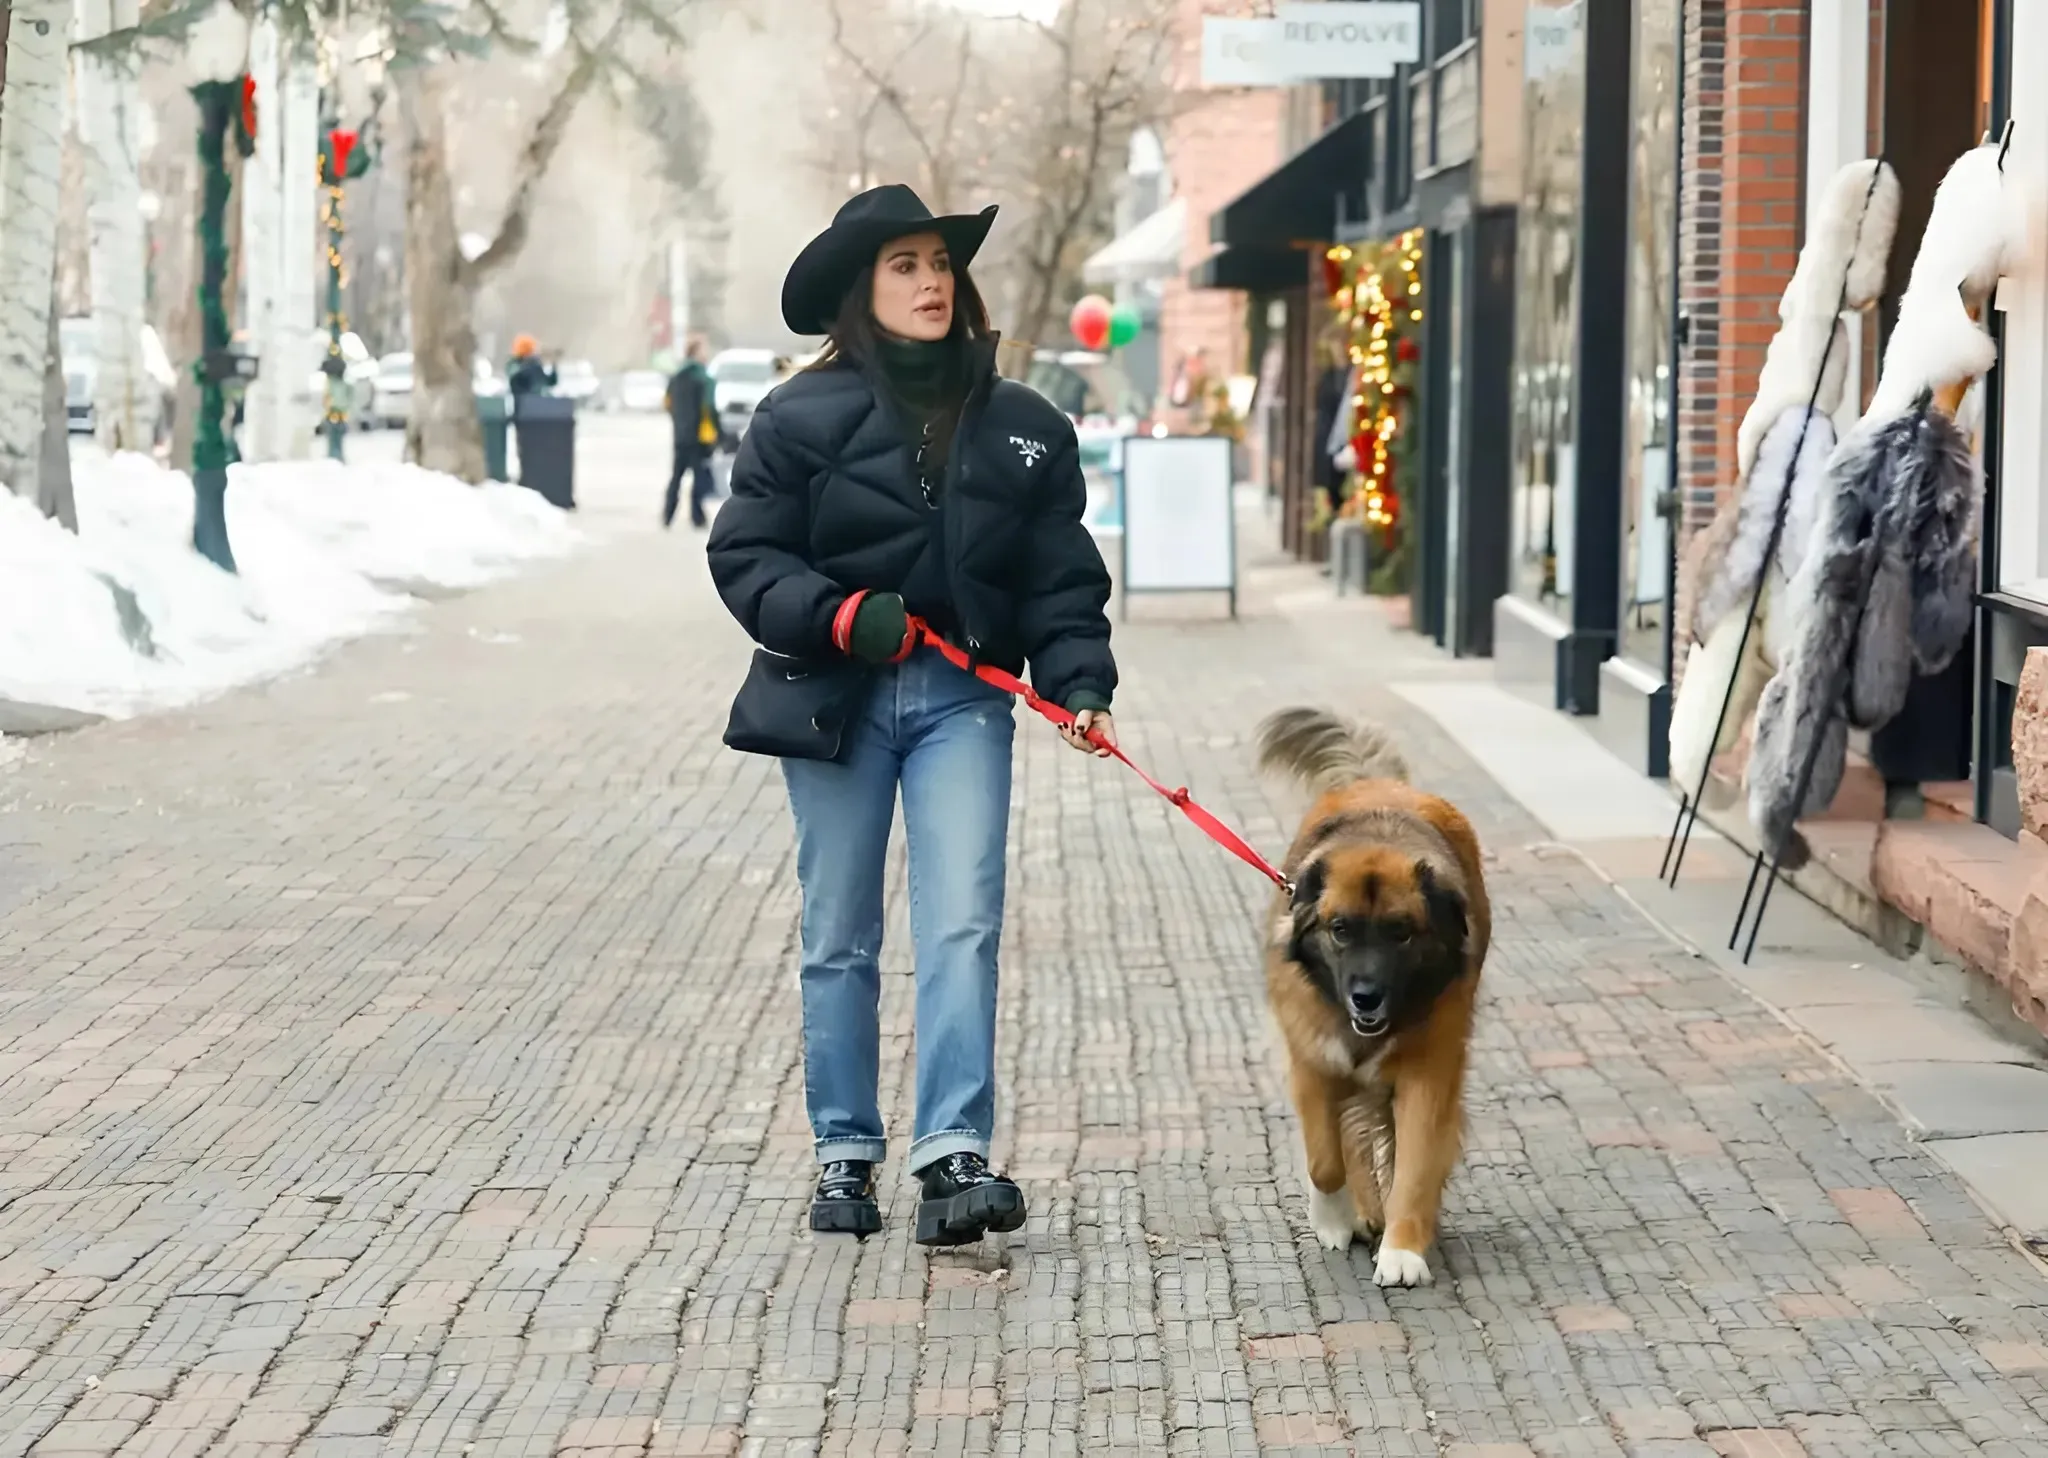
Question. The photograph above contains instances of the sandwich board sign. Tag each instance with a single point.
(1180, 531)
(1312, 40)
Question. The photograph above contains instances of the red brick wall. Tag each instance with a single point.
(1218, 143)
(1217, 147)
(1739, 234)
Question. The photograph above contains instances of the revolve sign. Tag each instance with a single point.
(1325, 40)
(1390, 34)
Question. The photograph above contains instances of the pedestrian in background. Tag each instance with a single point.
(899, 475)
(693, 416)
(529, 374)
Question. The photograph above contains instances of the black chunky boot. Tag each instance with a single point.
(845, 1201)
(963, 1200)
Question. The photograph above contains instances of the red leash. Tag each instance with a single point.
(921, 632)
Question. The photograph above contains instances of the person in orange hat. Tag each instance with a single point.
(529, 374)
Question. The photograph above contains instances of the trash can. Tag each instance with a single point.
(547, 446)
(492, 414)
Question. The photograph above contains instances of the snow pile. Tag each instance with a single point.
(125, 616)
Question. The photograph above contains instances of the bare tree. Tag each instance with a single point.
(443, 280)
(1035, 114)
(900, 99)
(666, 108)
(1105, 80)
(31, 165)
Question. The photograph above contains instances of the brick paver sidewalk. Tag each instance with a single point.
(404, 1059)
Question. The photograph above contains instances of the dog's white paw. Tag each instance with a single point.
(1397, 1267)
(1331, 1217)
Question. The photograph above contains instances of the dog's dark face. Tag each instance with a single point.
(1379, 934)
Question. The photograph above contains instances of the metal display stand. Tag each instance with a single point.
(1689, 801)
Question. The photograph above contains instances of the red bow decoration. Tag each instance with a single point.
(249, 107)
(1406, 350)
(342, 143)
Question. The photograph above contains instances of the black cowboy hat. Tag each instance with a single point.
(817, 282)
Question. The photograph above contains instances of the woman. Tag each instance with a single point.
(898, 475)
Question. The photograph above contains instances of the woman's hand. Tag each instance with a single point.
(1099, 723)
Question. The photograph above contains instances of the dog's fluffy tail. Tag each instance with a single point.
(1323, 751)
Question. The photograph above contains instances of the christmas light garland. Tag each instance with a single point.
(1376, 291)
(341, 160)
(337, 321)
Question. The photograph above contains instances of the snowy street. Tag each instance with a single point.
(403, 1057)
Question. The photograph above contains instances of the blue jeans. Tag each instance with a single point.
(944, 737)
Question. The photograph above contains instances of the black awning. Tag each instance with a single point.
(1254, 270)
(1301, 200)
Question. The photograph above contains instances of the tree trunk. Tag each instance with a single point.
(109, 104)
(302, 349)
(31, 162)
(262, 253)
(443, 433)
(53, 486)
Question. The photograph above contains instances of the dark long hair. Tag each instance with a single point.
(854, 332)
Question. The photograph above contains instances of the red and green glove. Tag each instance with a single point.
(873, 627)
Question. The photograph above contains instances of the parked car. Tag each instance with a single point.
(78, 353)
(392, 393)
(740, 377)
(577, 380)
(642, 391)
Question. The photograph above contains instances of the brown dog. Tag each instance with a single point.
(1372, 968)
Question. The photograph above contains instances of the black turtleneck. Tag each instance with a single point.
(918, 370)
(924, 377)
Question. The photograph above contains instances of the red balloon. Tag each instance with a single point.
(1090, 321)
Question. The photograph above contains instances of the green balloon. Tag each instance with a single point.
(1124, 325)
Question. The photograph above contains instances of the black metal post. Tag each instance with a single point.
(213, 447)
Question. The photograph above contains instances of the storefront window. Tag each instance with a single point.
(2022, 468)
(1653, 200)
(1547, 302)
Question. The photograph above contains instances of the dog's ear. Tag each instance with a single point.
(1309, 882)
(1446, 907)
(1305, 907)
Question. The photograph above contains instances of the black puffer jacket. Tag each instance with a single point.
(825, 501)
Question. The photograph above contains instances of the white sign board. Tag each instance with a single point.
(1313, 41)
(1179, 532)
(1241, 53)
(1329, 40)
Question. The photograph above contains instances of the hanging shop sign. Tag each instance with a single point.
(1553, 38)
(1319, 40)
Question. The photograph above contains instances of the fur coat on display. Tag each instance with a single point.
(1884, 592)
(1721, 601)
(1760, 533)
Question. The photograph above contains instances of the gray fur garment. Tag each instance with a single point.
(1728, 576)
(1884, 593)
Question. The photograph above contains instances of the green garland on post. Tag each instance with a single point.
(213, 446)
